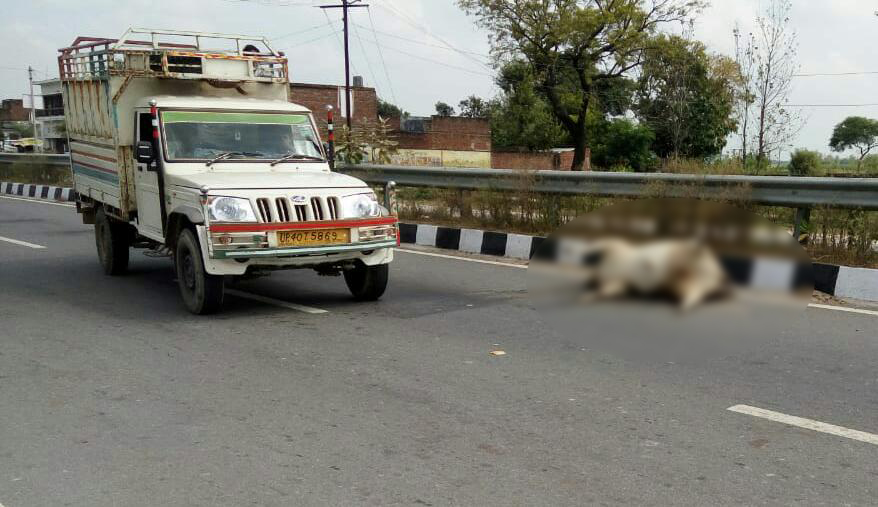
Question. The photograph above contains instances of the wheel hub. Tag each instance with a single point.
(189, 271)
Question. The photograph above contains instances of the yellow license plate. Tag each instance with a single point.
(312, 238)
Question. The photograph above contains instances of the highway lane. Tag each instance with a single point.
(110, 393)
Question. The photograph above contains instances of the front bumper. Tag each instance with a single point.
(259, 240)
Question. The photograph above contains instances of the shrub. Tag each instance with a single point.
(804, 163)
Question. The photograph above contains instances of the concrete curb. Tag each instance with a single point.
(840, 281)
(43, 192)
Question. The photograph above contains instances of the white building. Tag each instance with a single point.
(51, 128)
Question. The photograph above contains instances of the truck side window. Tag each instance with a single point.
(144, 124)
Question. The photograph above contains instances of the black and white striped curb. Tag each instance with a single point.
(840, 281)
(45, 192)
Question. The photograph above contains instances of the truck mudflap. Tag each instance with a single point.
(294, 239)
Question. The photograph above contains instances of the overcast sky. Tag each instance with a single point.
(834, 36)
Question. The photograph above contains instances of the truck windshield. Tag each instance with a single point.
(204, 135)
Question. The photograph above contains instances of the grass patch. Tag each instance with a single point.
(37, 174)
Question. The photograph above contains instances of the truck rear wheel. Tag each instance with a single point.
(202, 292)
(111, 239)
(367, 283)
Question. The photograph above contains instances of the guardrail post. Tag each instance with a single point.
(802, 222)
(390, 198)
(466, 205)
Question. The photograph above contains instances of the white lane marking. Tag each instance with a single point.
(38, 201)
(844, 309)
(22, 243)
(275, 302)
(808, 424)
(458, 258)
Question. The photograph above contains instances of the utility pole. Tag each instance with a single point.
(33, 105)
(345, 5)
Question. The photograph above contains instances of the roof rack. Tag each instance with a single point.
(125, 41)
(173, 54)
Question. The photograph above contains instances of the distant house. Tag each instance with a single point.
(50, 120)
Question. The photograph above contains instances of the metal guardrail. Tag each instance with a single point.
(785, 191)
(35, 159)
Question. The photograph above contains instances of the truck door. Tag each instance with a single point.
(146, 187)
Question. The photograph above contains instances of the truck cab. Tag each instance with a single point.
(215, 165)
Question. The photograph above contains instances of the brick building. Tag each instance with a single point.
(364, 106)
(13, 110)
(443, 141)
(559, 159)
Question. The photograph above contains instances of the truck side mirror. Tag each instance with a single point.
(143, 152)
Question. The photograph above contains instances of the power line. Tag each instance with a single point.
(366, 58)
(340, 43)
(345, 7)
(315, 39)
(275, 3)
(426, 30)
(863, 73)
(381, 56)
(415, 41)
(830, 105)
(298, 32)
(437, 62)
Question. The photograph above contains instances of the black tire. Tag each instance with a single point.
(111, 239)
(367, 283)
(202, 292)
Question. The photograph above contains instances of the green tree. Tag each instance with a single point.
(474, 107)
(622, 142)
(443, 109)
(589, 40)
(855, 132)
(521, 118)
(390, 110)
(687, 98)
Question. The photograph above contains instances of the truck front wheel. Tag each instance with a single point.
(367, 283)
(111, 239)
(202, 292)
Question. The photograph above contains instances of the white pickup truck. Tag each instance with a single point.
(200, 153)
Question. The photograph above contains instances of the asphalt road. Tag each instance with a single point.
(111, 394)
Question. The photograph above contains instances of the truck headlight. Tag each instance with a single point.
(231, 209)
(360, 206)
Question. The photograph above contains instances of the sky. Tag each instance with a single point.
(424, 51)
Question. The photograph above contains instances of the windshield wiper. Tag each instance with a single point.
(226, 154)
(293, 156)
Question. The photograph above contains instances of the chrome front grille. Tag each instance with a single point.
(281, 209)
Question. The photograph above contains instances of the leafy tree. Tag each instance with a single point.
(381, 142)
(351, 145)
(855, 132)
(686, 97)
(572, 46)
(389, 110)
(804, 163)
(443, 109)
(474, 107)
(521, 118)
(622, 142)
(354, 145)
